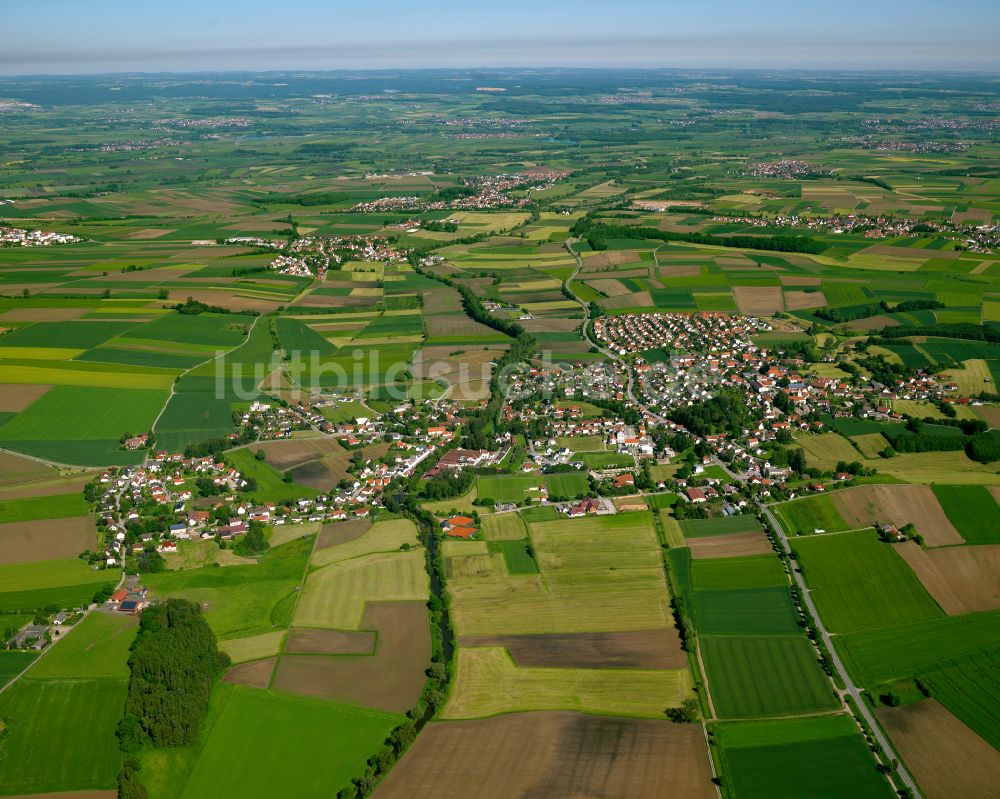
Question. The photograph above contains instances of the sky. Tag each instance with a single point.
(101, 36)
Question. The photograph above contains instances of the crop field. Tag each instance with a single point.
(241, 600)
(503, 527)
(335, 596)
(50, 426)
(961, 579)
(598, 574)
(50, 507)
(24, 542)
(946, 757)
(61, 734)
(866, 506)
(973, 510)
(512, 755)
(488, 682)
(741, 676)
(570, 485)
(97, 647)
(390, 678)
(859, 583)
(257, 728)
(818, 757)
(745, 611)
(764, 571)
(508, 488)
(68, 583)
(722, 525)
(803, 516)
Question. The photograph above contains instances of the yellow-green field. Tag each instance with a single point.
(487, 682)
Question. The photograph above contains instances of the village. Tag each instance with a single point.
(19, 237)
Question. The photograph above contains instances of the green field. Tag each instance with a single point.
(61, 735)
(973, 510)
(569, 486)
(747, 611)
(859, 583)
(803, 516)
(517, 555)
(241, 600)
(970, 688)
(606, 460)
(270, 485)
(258, 729)
(66, 583)
(822, 758)
(503, 527)
(96, 647)
(58, 506)
(507, 488)
(13, 663)
(721, 525)
(722, 574)
(760, 676)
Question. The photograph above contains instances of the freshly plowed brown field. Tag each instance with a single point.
(961, 579)
(613, 258)
(640, 649)
(947, 758)
(899, 504)
(17, 397)
(729, 546)
(330, 642)
(341, 532)
(800, 300)
(391, 679)
(47, 539)
(759, 300)
(256, 673)
(552, 755)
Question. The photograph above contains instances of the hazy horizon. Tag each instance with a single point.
(56, 37)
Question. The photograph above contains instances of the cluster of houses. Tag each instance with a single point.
(489, 192)
(313, 256)
(19, 237)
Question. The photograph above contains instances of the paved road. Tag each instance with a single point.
(852, 689)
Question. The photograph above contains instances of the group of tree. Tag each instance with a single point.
(599, 234)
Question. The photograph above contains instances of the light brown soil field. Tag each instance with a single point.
(16, 397)
(227, 299)
(610, 259)
(689, 270)
(758, 300)
(961, 579)
(551, 325)
(551, 755)
(800, 300)
(905, 252)
(341, 532)
(46, 539)
(256, 673)
(729, 546)
(946, 757)
(42, 314)
(148, 233)
(898, 504)
(330, 642)
(454, 364)
(16, 468)
(609, 287)
(457, 324)
(641, 649)
(637, 299)
(323, 301)
(989, 414)
(391, 679)
(445, 300)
